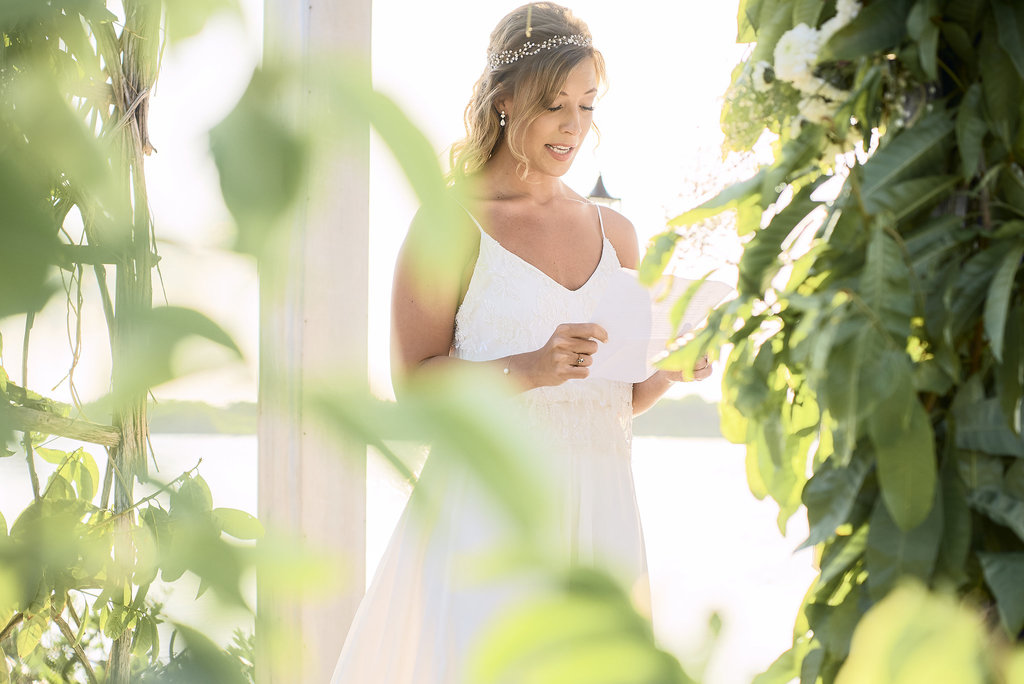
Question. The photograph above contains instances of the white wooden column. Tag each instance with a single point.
(309, 483)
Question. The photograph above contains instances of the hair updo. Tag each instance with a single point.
(533, 82)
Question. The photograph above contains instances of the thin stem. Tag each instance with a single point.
(73, 642)
(29, 457)
(9, 627)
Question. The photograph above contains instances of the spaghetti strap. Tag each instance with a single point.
(600, 219)
(470, 214)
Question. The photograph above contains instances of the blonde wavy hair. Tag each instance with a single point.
(533, 83)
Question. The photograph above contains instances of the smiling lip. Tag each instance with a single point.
(560, 152)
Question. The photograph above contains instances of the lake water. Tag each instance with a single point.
(710, 545)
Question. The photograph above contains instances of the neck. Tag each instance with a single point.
(504, 181)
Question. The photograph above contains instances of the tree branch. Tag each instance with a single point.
(73, 642)
(33, 420)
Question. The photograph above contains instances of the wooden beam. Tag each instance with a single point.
(28, 419)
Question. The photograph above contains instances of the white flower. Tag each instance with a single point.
(815, 109)
(761, 84)
(846, 10)
(795, 56)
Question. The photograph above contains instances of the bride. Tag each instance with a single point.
(541, 257)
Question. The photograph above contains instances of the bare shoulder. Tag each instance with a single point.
(622, 235)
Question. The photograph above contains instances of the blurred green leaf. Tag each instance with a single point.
(998, 300)
(760, 261)
(914, 636)
(981, 425)
(657, 257)
(1010, 20)
(829, 496)
(238, 524)
(908, 153)
(893, 553)
(1003, 572)
(999, 507)
(186, 18)
(161, 330)
(29, 634)
(904, 443)
(729, 198)
(1001, 86)
(586, 634)
(970, 130)
(923, 27)
(878, 26)
(262, 160)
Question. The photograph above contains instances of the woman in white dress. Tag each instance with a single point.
(539, 259)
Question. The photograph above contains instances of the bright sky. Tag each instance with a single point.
(668, 65)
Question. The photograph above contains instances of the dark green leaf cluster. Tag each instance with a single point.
(875, 362)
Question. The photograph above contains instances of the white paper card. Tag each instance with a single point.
(638, 323)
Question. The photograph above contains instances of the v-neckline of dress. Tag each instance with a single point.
(533, 267)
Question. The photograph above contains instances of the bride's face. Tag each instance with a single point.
(551, 142)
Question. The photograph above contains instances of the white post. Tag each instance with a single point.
(308, 482)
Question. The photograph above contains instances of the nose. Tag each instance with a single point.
(571, 121)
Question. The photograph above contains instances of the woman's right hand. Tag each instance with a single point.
(565, 356)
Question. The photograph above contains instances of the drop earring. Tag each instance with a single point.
(502, 122)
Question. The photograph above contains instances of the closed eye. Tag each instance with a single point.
(585, 108)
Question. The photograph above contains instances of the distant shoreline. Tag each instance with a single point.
(686, 417)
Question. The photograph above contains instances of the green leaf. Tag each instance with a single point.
(5, 670)
(186, 18)
(1003, 572)
(1010, 375)
(1000, 507)
(261, 160)
(1001, 86)
(776, 18)
(904, 443)
(830, 495)
(163, 329)
(981, 426)
(29, 634)
(878, 26)
(841, 554)
(956, 526)
(238, 524)
(909, 152)
(894, 553)
(659, 253)
(923, 28)
(760, 261)
(998, 300)
(3, 525)
(807, 12)
(729, 198)
(1010, 20)
(912, 196)
(970, 130)
(54, 456)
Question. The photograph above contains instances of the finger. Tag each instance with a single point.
(579, 360)
(588, 347)
(586, 331)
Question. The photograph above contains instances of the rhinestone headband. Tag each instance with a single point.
(529, 48)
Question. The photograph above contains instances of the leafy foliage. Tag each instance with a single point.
(874, 356)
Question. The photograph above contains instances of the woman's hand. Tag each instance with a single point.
(565, 356)
(701, 371)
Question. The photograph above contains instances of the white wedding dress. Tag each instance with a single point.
(420, 616)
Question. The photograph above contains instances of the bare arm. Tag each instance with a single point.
(622, 235)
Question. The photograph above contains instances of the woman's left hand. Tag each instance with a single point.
(701, 371)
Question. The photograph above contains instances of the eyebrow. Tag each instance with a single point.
(592, 90)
